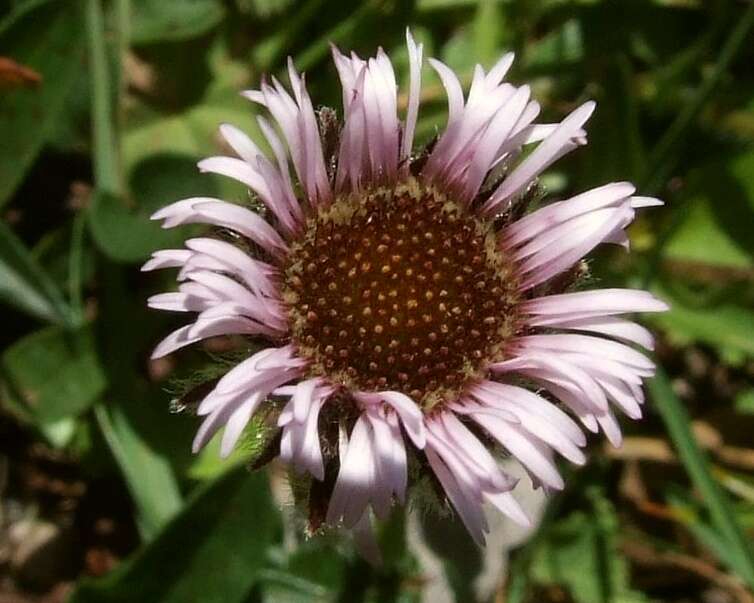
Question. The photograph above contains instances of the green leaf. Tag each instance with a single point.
(146, 441)
(700, 239)
(716, 229)
(45, 37)
(744, 402)
(312, 572)
(558, 49)
(160, 151)
(54, 373)
(25, 285)
(208, 464)
(211, 553)
(458, 53)
(263, 9)
(432, 5)
(59, 433)
(127, 234)
(581, 553)
(720, 322)
(149, 476)
(489, 29)
(155, 21)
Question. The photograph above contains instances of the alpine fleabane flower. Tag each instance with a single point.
(408, 317)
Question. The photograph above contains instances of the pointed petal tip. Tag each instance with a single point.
(658, 305)
(437, 64)
(157, 353)
(226, 128)
(639, 202)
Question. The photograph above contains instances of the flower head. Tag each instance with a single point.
(406, 308)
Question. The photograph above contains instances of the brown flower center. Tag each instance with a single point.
(401, 289)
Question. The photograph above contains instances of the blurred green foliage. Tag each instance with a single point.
(130, 95)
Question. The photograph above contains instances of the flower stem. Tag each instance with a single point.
(106, 172)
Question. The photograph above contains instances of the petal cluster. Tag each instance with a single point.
(573, 362)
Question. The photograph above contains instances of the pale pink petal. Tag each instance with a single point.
(540, 159)
(500, 69)
(210, 426)
(351, 154)
(178, 302)
(254, 273)
(237, 169)
(528, 449)
(452, 88)
(602, 302)
(506, 504)
(518, 399)
(355, 480)
(481, 462)
(590, 346)
(566, 252)
(236, 424)
(550, 368)
(240, 143)
(610, 428)
(381, 495)
(488, 145)
(166, 258)
(606, 325)
(254, 369)
(300, 445)
(410, 414)
(638, 202)
(399, 464)
(544, 219)
(415, 65)
(470, 511)
(241, 220)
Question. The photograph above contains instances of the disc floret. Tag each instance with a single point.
(400, 289)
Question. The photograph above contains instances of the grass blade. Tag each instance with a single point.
(26, 285)
(697, 465)
(662, 157)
